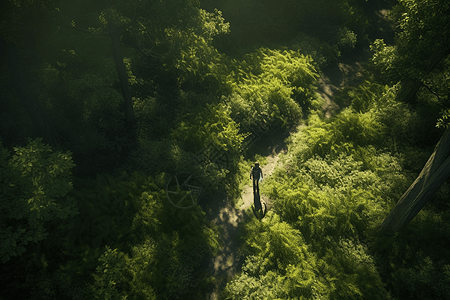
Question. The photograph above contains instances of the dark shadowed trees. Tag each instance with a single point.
(23, 22)
(435, 172)
(422, 44)
(419, 61)
(28, 99)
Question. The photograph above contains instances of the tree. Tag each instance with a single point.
(422, 44)
(435, 172)
(114, 33)
(22, 22)
(419, 59)
(27, 97)
(34, 184)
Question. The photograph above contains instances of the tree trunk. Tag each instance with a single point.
(435, 172)
(28, 99)
(121, 71)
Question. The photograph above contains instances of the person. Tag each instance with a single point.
(256, 174)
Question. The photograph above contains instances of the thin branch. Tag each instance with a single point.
(87, 31)
(431, 91)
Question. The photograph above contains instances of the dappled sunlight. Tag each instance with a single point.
(233, 149)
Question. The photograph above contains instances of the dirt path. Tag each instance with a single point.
(347, 72)
(267, 169)
(227, 217)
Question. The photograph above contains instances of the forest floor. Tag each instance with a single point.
(347, 72)
(228, 217)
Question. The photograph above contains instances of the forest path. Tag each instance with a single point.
(347, 72)
(227, 263)
(267, 170)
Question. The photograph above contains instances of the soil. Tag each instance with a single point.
(228, 217)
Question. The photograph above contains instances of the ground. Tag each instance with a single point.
(227, 216)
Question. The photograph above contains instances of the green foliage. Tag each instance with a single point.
(155, 156)
(401, 123)
(183, 253)
(425, 279)
(321, 52)
(120, 277)
(177, 41)
(335, 189)
(212, 126)
(345, 133)
(210, 145)
(442, 122)
(346, 39)
(129, 242)
(384, 60)
(279, 265)
(151, 116)
(325, 211)
(35, 185)
(256, 23)
(80, 87)
(114, 211)
(370, 95)
(420, 55)
(194, 106)
(423, 30)
(415, 263)
(270, 85)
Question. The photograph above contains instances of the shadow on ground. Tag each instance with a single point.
(221, 212)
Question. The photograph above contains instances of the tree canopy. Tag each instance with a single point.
(114, 112)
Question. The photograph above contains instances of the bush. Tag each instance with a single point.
(270, 85)
(346, 39)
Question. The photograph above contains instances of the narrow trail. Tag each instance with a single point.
(345, 73)
(227, 217)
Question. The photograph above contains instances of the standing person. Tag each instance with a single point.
(256, 173)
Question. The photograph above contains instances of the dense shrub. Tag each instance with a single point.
(281, 264)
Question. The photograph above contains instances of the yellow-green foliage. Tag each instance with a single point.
(193, 55)
(334, 189)
(213, 126)
(281, 264)
(400, 123)
(269, 85)
(319, 213)
(344, 133)
(117, 275)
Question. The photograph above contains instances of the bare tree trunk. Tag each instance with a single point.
(435, 172)
(28, 99)
(121, 71)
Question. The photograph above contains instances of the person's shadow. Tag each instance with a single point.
(258, 207)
